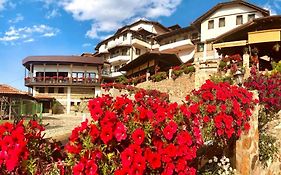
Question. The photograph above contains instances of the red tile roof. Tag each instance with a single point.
(6, 89)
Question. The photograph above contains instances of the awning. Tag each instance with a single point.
(230, 44)
(263, 36)
(148, 59)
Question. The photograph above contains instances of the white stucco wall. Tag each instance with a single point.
(230, 13)
(186, 55)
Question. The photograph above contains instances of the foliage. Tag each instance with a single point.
(222, 64)
(268, 148)
(23, 150)
(159, 76)
(222, 78)
(122, 79)
(150, 136)
(184, 68)
(276, 67)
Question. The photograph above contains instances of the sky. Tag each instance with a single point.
(71, 27)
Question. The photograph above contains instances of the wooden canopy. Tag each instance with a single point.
(150, 60)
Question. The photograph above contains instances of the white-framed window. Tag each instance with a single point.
(211, 24)
(239, 19)
(251, 17)
(222, 22)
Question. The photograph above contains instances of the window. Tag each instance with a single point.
(200, 47)
(72, 103)
(41, 90)
(51, 90)
(125, 37)
(61, 90)
(91, 75)
(239, 19)
(251, 17)
(138, 51)
(221, 22)
(211, 24)
(124, 51)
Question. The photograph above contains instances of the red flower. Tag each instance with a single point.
(138, 136)
(120, 132)
(170, 130)
(184, 138)
(127, 157)
(106, 134)
(94, 132)
(155, 160)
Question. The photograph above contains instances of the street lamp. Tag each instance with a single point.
(239, 77)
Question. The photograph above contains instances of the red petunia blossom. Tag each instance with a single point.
(139, 163)
(127, 157)
(184, 138)
(138, 136)
(94, 132)
(168, 132)
(106, 134)
(120, 132)
(211, 108)
(154, 160)
(194, 108)
(206, 119)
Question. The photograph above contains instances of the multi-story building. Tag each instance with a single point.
(63, 81)
(128, 43)
(220, 19)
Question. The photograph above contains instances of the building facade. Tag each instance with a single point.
(220, 19)
(128, 43)
(62, 82)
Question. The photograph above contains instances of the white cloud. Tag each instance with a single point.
(53, 13)
(274, 6)
(28, 40)
(28, 34)
(109, 15)
(86, 45)
(17, 19)
(2, 4)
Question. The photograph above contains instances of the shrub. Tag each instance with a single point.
(159, 76)
(269, 88)
(23, 150)
(150, 136)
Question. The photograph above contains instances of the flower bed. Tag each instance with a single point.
(151, 136)
(179, 70)
(146, 135)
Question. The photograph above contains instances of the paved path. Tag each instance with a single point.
(59, 127)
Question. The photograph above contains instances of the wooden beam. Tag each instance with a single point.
(44, 65)
(10, 108)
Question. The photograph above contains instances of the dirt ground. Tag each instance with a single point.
(59, 127)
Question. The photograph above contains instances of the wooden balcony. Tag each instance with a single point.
(61, 81)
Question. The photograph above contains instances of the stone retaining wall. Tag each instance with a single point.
(177, 89)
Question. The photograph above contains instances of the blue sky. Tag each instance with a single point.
(71, 27)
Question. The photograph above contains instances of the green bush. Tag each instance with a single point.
(122, 79)
(222, 64)
(189, 69)
(159, 76)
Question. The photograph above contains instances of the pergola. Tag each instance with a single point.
(9, 97)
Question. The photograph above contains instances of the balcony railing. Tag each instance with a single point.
(61, 81)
